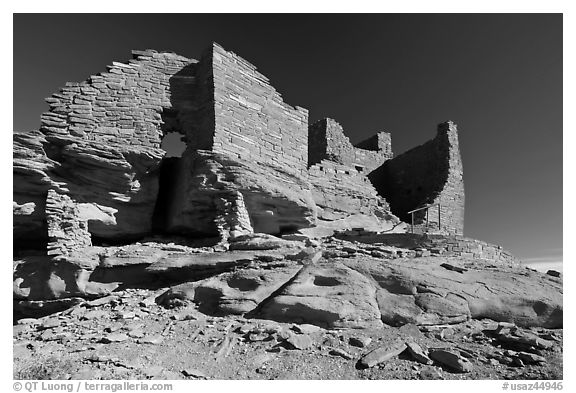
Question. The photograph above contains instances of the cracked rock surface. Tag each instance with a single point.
(278, 309)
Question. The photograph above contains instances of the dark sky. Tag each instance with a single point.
(499, 77)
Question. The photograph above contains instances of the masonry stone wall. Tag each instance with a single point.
(327, 141)
(428, 174)
(434, 244)
(455, 245)
(121, 106)
(340, 190)
(252, 121)
(67, 231)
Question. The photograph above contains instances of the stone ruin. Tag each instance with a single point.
(279, 230)
(95, 172)
(263, 214)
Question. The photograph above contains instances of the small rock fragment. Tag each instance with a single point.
(451, 359)
(467, 354)
(360, 341)
(93, 314)
(155, 339)
(49, 323)
(254, 337)
(245, 329)
(341, 353)
(102, 301)
(430, 373)
(47, 335)
(381, 354)
(28, 321)
(306, 328)
(126, 315)
(136, 333)
(453, 268)
(531, 358)
(494, 362)
(446, 334)
(410, 330)
(419, 354)
(114, 338)
(521, 337)
(299, 341)
(553, 273)
(517, 362)
(192, 372)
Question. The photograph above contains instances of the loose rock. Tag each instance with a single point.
(341, 353)
(299, 341)
(156, 339)
(360, 341)
(192, 372)
(419, 354)
(382, 354)
(451, 359)
(430, 373)
(114, 338)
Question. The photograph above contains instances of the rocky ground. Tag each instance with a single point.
(128, 336)
(268, 309)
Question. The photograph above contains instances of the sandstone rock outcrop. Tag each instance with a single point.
(420, 291)
(328, 296)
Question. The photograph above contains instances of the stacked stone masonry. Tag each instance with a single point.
(252, 120)
(327, 141)
(427, 244)
(121, 106)
(453, 246)
(340, 191)
(67, 231)
(429, 174)
(252, 163)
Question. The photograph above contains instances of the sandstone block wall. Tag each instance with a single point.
(100, 142)
(428, 174)
(123, 105)
(67, 231)
(426, 244)
(252, 121)
(340, 191)
(241, 120)
(327, 141)
(454, 245)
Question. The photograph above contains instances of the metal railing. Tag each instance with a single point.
(427, 207)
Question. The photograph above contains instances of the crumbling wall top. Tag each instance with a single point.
(120, 106)
(327, 141)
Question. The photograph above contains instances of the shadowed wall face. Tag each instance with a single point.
(428, 174)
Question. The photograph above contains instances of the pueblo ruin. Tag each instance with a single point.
(264, 215)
